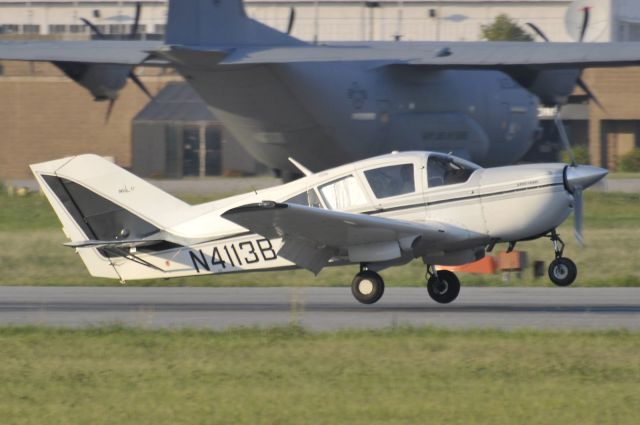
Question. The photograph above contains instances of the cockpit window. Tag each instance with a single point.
(344, 193)
(391, 181)
(444, 171)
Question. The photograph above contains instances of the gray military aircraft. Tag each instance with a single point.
(329, 104)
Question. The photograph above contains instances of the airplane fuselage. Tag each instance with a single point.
(493, 205)
(328, 114)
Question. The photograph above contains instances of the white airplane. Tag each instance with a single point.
(380, 212)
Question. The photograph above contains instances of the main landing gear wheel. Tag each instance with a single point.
(443, 287)
(562, 271)
(367, 287)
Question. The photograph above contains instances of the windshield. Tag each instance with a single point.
(442, 171)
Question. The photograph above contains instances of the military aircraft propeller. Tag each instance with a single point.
(129, 70)
(583, 30)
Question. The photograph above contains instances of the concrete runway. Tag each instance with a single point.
(320, 308)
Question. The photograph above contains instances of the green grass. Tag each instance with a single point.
(289, 376)
(621, 175)
(32, 253)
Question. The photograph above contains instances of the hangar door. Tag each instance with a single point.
(618, 138)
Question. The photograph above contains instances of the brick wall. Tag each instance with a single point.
(618, 89)
(48, 116)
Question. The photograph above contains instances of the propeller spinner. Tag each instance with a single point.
(576, 179)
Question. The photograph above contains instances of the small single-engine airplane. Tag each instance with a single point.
(380, 212)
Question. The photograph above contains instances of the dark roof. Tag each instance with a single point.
(176, 102)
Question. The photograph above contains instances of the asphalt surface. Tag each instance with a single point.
(320, 308)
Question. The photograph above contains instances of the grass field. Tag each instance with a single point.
(289, 376)
(32, 253)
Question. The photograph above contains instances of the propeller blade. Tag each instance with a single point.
(95, 29)
(578, 217)
(589, 93)
(136, 21)
(140, 84)
(292, 18)
(563, 137)
(585, 23)
(109, 110)
(538, 31)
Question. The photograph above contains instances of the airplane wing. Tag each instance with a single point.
(95, 51)
(454, 55)
(313, 235)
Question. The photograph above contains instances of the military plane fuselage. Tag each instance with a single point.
(326, 114)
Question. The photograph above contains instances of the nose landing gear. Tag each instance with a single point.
(562, 271)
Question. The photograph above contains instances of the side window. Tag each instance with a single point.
(391, 181)
(308, 198)
(343, 193)
(301, 199)
(443, 171)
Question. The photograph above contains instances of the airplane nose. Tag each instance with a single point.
(580, 177)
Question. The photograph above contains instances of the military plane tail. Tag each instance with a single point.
(218, 23)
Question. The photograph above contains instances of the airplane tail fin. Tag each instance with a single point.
(105, 210)
(218, 22)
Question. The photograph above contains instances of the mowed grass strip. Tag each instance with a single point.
(33, 254)
(288, 376)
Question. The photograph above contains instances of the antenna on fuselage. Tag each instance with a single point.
(304, 170)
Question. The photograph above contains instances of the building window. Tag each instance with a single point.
(57, 29)
(160, 29)
(78, 29)
(31, 29)
(9, 29)
(191, 151)
(118, 29)
(213, 151)
(629, 31)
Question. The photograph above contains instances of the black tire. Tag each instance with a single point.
(562, 271)
(444, 288)
(367, 287)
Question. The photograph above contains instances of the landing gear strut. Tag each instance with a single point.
(367, 287)
(443, 286)
(562, 271)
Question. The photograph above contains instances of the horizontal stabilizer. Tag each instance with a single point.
(131, 243)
